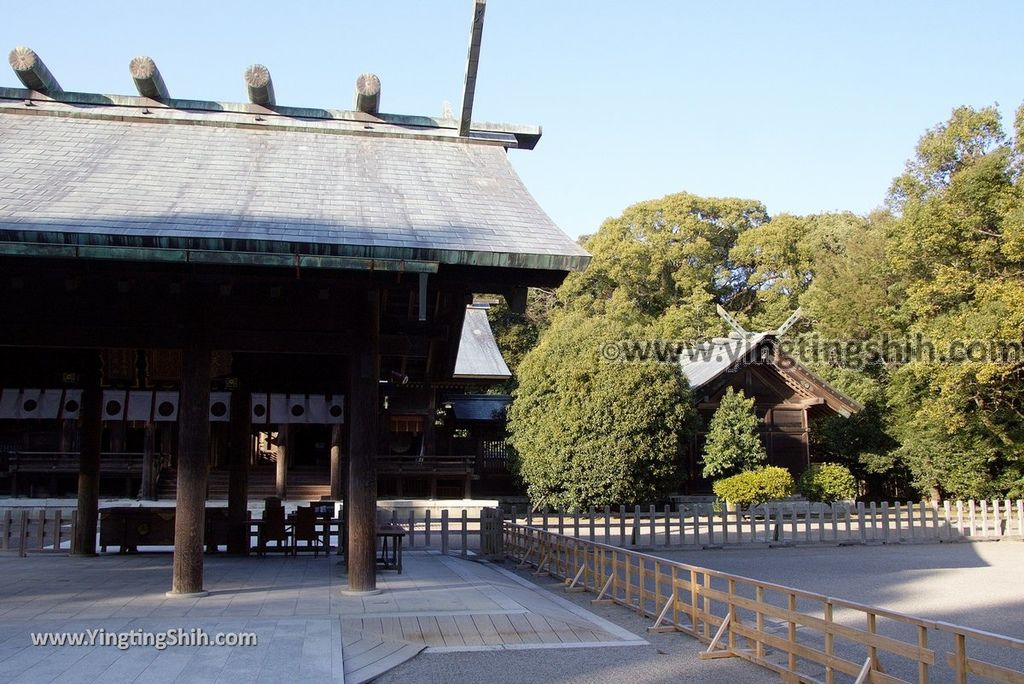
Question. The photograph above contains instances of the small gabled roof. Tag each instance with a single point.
(479, 357)
(704, 364)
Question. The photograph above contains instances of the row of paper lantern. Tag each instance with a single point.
(162, 406)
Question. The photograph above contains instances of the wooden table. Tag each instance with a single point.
(396, 533)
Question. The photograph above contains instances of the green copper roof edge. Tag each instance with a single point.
(155, 254)
(59, 244)
(527, 136)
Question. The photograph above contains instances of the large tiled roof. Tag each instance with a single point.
(163, 178)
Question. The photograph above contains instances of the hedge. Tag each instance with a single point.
(828, 482)
(755, 486)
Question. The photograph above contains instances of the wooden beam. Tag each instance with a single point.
(281, 470)
(31, 71)
(363, 438)
(472, 65)
(90, 441)
(193, 470)
(148, 80)
(260, 85)
(148, 487)
(337, 472)
(367, 99)
(239, 452)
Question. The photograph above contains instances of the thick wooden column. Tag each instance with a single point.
(337, 473)
(149, 472)
(362, 500)
(193, 471)
(239, 453)
(90, 440)
(282, 461)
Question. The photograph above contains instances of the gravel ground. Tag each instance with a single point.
(973, 584)
(978, 585)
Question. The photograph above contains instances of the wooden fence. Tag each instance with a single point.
(37, 530)
(34, 530)
(702, 526)
(800, 635)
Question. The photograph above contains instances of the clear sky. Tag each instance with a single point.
(806, 106)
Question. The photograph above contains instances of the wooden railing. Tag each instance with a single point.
(43, 462)
(702, 525)
(413, 464)
(800, 635)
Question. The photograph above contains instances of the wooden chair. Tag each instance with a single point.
(304, 530)
(273, 529)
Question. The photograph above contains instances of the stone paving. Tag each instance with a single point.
(306, 627)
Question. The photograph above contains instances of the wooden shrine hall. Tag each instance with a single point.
(216, 252)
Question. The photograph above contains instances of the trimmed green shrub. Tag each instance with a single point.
(828, 482)
(755, 486)
(733, 444)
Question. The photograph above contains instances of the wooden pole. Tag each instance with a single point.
(148, 462)
(337, 483)
(193, 471)
(32, 72)
(148, 80)
(367, 98)
(90, 438)
(281, 479)
(472, 65)
(362, 501)
(240, 446)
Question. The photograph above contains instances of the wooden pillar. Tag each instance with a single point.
(282, 461)
(239, 453)
(149, 473)
(363, 437)
(193, 471)
(337, 487)
(89, 444)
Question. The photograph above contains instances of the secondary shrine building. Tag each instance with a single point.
(252, 288)
(788, 396)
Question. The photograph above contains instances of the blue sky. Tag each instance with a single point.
(806, 106)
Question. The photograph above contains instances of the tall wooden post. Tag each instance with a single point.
(149, 468)
(193, 471)
(89, 443)
(239, 453)
(337, 485)
(282, 461)
(362, 496)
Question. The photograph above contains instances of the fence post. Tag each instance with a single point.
(860, 523)
(426, 527)
(997, 524)
(668, 525)
(593, 515)
(561, 520)
(726, 510)
(959, 518)
(1020, 517)
(622, 525)
(444, 531)
(711, 526)
(651, 518)
(607, 524)
(5, 542)
(984, 517)
(23, 534)
(41, 523)
(55, 527)
(465, 531)
(885, 522)
(946, 513)
(636, 525)
(412, 529)
(899, 520)
(874, 522)
(971, 517)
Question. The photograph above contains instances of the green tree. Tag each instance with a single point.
(593, 432)
(733, 442)
(955, 249)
